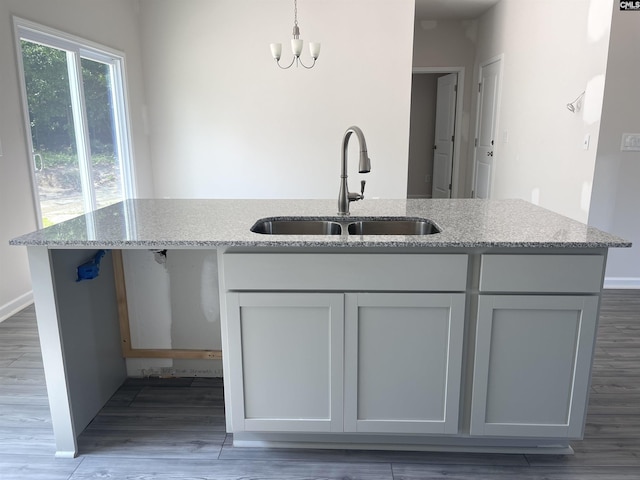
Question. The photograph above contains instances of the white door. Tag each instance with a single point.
(445, 126)
(486, 128)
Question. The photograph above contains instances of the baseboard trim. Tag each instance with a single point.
(14, 306)
(622, 282)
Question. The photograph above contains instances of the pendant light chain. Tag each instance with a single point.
(295, 12)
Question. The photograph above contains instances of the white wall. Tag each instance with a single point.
(94, 20)
(173, 303)
(226, 122)
(16, 205)
(553, 50)
(445, 44)
(616, 197)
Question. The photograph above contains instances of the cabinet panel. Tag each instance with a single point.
(345, 272)
(403, 362)
(542, 273)
(287, 350)
(532, 365)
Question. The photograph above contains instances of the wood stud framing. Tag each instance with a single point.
(125, 333)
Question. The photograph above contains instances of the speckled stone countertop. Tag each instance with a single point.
(465, 223)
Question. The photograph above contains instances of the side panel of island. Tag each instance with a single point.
(79, 337)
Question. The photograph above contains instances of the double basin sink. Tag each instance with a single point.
(318, 226)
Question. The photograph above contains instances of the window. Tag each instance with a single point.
(75, 106)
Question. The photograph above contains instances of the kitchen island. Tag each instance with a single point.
(476, 338)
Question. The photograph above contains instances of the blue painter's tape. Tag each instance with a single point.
(91, 269)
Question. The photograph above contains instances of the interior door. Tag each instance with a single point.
(444, 135)
(486, 128)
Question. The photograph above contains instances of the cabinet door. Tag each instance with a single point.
(286, 361)
(403, 355)
(532, 365)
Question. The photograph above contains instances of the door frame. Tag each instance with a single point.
(455, 168)
(65, 41)
(481, 65)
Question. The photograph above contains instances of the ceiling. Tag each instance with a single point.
(452, 9)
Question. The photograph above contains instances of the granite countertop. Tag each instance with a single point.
(209, 223)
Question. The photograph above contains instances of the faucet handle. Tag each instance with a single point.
(362, 184)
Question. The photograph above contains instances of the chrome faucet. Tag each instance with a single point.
(344, 197)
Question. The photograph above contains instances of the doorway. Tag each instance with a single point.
(429, 175)
(73, 95)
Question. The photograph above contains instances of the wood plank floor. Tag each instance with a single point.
(174, 429)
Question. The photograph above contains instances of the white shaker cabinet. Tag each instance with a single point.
(401, 367)
(288, 353)
(533, 351)
(487, 351)
(332, 348)
(403, 356)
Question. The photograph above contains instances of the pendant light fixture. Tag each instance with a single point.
(296, 45)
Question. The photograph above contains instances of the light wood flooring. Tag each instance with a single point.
(174, 429)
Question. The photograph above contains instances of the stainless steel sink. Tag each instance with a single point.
(352, 226)
(393, 226)
(296, 226)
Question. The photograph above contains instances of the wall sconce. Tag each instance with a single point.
(576, 105)
(296, 45)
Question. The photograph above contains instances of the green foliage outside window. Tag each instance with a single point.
(50, 111)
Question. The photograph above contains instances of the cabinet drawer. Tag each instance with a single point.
(345, 272)
(542, 273)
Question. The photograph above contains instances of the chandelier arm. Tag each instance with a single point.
(310, 66)
(288, 66)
